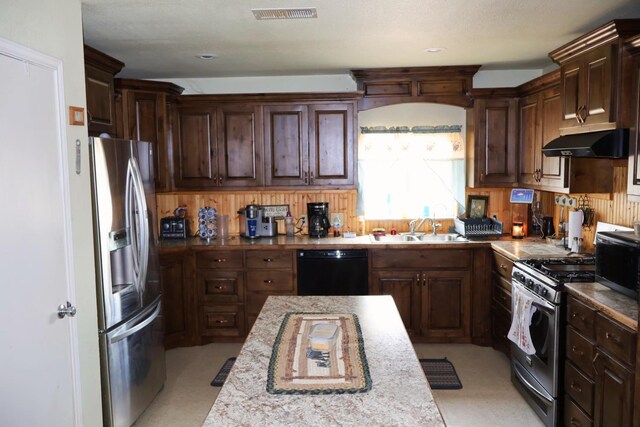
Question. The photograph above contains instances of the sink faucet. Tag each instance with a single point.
(434, 226)
(412, 224)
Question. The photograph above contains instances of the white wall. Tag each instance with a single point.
(327, 83)
(54, 27)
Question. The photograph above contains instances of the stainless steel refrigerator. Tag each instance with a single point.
(129, 311)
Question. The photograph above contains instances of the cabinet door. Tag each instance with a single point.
(331, 144)
(100, 101)
(613, 404)
(529, 146)
(286, 141)
(552, 169)
(177, 301)
(196, 150)
(633, 183)
(570, 75)
(403, 286)
(239, 146)
(445, 304)
(496, 141)
(598, 85)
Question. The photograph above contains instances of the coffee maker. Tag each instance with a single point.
(250, 219)
(318, 214)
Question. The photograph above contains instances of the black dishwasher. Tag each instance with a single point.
(333, 272)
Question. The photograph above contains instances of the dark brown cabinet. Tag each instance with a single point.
(143, 111)
(540, 124)
(100, 70)
(310, 144)
(633, 106)
(217, 147)
(599, 368)
(431, 289)
(501, 303)
(492, 136)
(592, 77)
(178, 300)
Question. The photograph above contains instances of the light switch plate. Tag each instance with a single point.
(76, 116)
(572, 202)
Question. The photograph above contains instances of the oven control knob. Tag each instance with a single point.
(529, 283)
(544, 292)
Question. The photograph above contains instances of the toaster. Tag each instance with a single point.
(174, 227)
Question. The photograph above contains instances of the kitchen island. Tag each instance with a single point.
(400, 394)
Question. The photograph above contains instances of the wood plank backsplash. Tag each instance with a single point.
(614, 208)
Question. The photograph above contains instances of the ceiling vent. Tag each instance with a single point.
(285, 13)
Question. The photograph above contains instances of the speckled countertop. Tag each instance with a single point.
(612, 303)
(528, 248)
(400, 395)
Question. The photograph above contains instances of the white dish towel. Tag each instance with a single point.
(523, 310)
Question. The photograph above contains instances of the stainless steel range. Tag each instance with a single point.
(537, 376)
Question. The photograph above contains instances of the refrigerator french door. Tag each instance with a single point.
(128, 285)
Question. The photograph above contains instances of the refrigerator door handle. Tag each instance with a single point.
(128, 332)
(143, 224)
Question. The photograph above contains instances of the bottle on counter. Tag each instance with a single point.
(288, 225)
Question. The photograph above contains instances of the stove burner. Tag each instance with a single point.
(564, 270)
(553, 268)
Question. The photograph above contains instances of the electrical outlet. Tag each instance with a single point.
(494, 215)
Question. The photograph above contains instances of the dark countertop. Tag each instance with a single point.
(619, 307)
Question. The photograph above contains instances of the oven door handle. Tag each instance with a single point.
(537, 301)
(531, 387)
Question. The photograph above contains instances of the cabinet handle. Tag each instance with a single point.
(502, 266)
(418, 279)
(481, 177)
(268, 281)
(574, 422)
(221, 322)
(219, 179)
(575, 350)
(219, 287)
(424, 279)
(311, 178)
(220, 260)
(612, 337)
(89, 115)
(576, 387)
(267, 259)
(593, 362)
(306, 177)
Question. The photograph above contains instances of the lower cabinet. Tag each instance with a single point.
(434, 301)
(501, 303)
(178, 300)
(599, 368)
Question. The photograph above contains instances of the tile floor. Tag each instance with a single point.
(486, 399)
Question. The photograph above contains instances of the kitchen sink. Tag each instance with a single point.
(418, 238)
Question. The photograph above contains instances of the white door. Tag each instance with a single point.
(38, 350)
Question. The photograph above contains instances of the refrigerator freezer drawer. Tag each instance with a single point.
(135, 367)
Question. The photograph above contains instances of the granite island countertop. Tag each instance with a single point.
(400, 394)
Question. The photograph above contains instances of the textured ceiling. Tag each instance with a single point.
(161, 38)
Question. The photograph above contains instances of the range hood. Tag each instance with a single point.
(612, 144)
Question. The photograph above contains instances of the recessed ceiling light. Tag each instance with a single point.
(207, 56)
(435, 49)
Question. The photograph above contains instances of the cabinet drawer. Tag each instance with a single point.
(222, 320)
(501, 296)
(615, 339)
(269, 259)
(422, 259)
(580, 351)
(581, 317)
(502, 265)
(219, 259)
(579, 387)
(220, 286)
(270, 280)
(574, 416)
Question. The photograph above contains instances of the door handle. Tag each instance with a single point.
(66, 310)
(311, 178)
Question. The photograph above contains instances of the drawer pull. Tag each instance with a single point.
(268, 281)
(502, 266)
(219, 287)
(267, 259)
(612, 337)
(595, 358)
(575, 350)
(219, 260)
(221, 322)
(575, 422)
(576, 387)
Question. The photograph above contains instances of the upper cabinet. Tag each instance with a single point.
(492, 139)
(633, 182)
(143, 112)
(217, 146)
(592, 78)
(100, 70)
(310, 144)
(540, 117)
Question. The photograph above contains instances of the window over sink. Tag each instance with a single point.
(410, 172)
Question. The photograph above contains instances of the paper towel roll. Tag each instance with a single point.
(575, 225)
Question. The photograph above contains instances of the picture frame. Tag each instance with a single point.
(477, 206)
